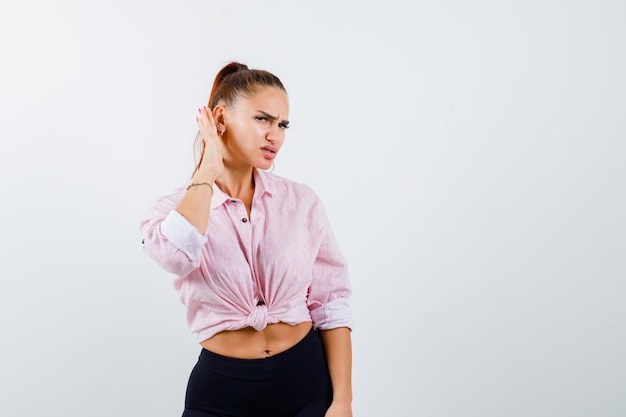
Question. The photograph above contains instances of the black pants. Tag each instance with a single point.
(294, 383)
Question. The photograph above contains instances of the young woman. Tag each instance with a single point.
(265, 286)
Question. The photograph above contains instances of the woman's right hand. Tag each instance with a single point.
(211, 164)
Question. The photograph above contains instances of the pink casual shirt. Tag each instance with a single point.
(280, 265)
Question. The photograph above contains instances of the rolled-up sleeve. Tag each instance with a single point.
(169, 238)
(330, 290)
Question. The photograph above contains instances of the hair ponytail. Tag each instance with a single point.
(236, 79)
(231, 68)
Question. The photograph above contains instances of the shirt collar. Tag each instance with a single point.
(219, 197)
(262, 183)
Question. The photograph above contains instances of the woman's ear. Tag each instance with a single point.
(219, 114)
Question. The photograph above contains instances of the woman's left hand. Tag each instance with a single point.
(339, 410)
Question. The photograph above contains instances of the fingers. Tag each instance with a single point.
(206, 124)
(206, 117)
(211, 155)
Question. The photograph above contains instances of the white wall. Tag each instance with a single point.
(470, 156)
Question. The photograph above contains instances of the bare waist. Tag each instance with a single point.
(248, 343)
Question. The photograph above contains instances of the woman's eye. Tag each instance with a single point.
(283, 126)
(261, 118)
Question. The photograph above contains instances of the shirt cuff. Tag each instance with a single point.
(333, 314)
(183, 235)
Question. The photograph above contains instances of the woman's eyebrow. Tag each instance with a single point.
(273, 118)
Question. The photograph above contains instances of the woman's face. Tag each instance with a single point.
(255, 128)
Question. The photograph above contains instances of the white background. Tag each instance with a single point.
(470, 155)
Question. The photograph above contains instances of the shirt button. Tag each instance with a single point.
(233, 201)
(244, 220)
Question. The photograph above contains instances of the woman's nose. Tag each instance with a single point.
(274, 133)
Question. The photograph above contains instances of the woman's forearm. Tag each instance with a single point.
(338, 347)
(196, 203)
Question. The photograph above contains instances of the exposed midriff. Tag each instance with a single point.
(248, 343)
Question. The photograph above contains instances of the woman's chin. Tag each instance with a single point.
(265, 165)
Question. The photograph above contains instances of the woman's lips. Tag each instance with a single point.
(269, 152)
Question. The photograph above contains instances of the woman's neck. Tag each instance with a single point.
(237, 183)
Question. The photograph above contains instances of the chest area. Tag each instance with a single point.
(260, 244)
